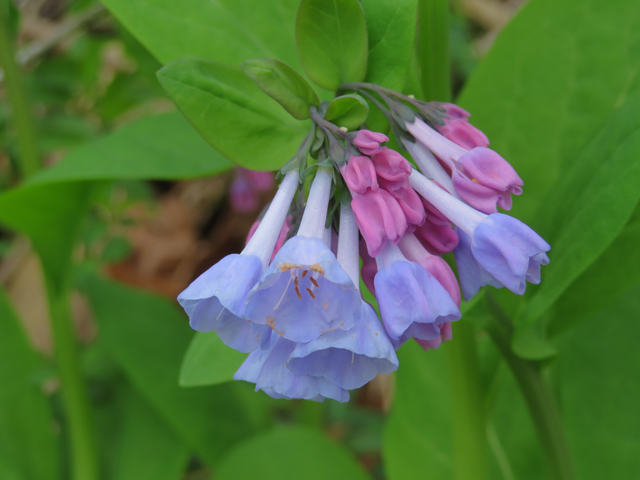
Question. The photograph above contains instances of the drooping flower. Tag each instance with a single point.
(268, 369)
(504, 247)
(480, 176)
(446, 334)
(412, 302)
(246, 187)
(349, 358)
(216, 299)
(305, 291)
(458, 129)
(282, 237)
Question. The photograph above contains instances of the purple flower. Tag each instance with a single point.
(412, 302)
(268, 369)
(504, 247)
(305, 291)
(480, 176)
(472, 275)
(216, 300)
(348, 358)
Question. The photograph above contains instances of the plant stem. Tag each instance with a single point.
(432, 48)
(22, 119)
(83, 451)
(537, 394)
(469, 422)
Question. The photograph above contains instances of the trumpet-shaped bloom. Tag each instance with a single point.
(504, 247)
(446, 334)
(268, 369)
(282, 236)
(216, 300)
(480, 176)
(305, 291)
(412, 302)
(348, 358)
(472, 275)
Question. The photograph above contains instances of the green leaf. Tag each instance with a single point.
(148, 336)
(609, 278)
(158, 147)
(418, 435)
(332, 41)
(348, 111)
(597, 374)
(208, 361)
(391, 25)
(232, 114)
(226, 31)
(28, 444)
(283, 84)
(607, 176)
(145, 448)
(292, 452)
(554, 74)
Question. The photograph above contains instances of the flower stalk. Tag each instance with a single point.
(537, 394)
(17, 95)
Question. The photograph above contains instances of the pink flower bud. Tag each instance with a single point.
(392, 167)
(445, 334)
(379, 218)
(360, 174)
(458, 129)
(368, 142)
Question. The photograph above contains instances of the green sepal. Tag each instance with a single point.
(348, 111)
(283, 84)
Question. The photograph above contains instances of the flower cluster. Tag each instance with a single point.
(293, 302)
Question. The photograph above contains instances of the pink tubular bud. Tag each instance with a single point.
(379, 218)
(360, 174)
(458, 129)
(392, 167)
(368, 142)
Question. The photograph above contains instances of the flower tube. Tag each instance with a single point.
(504, 247)
(347, 358)
(305, 291)
(216, 300)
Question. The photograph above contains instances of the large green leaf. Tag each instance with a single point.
(553, 75)
(606, 176)
(145, 447)
(232, 114)
(609, 278)
(148, 335)
(418, 435)
(597, 371)
(28, 445)
(229, 31)
(332, 41)
(292, 452)
(391, 28)
(283, 84)
(158, 147)
(209, 361)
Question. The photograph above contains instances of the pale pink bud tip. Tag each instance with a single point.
(368, 142)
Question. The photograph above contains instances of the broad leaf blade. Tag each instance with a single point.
(232, 114)
(283, 84)
(148, 336)
(391, 29)
(332, 41)
(28, 445)
(290, 453)
(208, 361)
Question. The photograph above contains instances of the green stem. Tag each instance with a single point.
(432, 48)
(469, 422)
(22, 119)
(83, 451)
(537, 394)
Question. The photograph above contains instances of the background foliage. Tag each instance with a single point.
(557, 94)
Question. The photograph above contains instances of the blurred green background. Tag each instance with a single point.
(133, 204)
